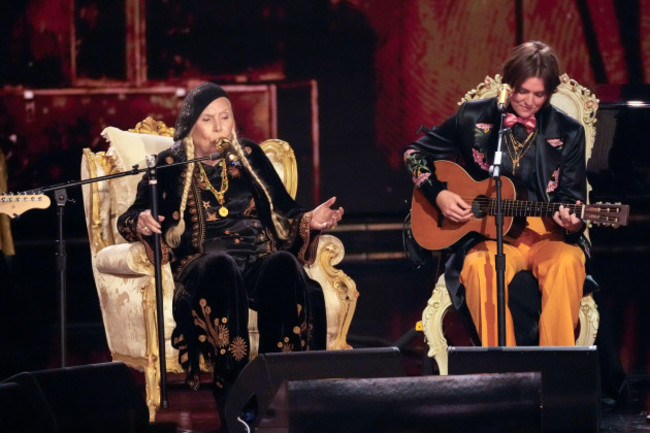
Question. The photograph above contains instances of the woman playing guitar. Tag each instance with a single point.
(544, 155)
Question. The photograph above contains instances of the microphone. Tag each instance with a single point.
(223, 144)
(503, 96)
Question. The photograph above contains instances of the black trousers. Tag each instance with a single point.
(211, 311)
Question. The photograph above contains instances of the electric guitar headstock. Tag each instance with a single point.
(16, 204)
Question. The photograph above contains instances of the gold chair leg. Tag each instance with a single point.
(152, 390)
(151, 368)
(589, 321)
(432, 317)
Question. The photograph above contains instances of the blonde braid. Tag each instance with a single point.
(174, 234)
(277, 219)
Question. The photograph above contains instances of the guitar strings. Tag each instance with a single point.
(598, 213)
(537, 207)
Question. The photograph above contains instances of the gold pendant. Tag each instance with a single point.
(223, 211)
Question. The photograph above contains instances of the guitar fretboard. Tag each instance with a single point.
(528, 208)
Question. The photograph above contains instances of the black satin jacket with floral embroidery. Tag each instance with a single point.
(472, 134)
(301, 241)
(470, 138)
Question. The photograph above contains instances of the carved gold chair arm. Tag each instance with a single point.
(339, 289)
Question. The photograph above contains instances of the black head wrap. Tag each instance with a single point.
(195, 102)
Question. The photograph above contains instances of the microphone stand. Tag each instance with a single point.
(61, 197)
(157, 253)
(500, 258)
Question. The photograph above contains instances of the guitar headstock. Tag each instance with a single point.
(607, 214)
(15, 204)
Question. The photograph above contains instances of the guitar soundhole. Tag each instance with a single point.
(479, 206)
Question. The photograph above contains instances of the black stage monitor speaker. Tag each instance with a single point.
(260, 379)
(570, 379)
(22, 411)
(98, 398)
(481, 403)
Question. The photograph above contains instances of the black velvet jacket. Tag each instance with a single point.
(301, 241)
(470, 138)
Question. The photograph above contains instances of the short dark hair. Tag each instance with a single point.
(532, 59)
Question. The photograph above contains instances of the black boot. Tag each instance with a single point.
(221, 390)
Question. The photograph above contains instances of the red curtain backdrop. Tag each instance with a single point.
(644, 17)
(430, 53)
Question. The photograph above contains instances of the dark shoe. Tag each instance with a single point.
(220, 390)
(193, 379)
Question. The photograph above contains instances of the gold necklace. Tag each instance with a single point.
(518, 149)
(219, 195)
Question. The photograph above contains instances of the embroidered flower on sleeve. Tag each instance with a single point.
(485, 127)
(555, 142)
(418, 167)
(479, 158)
(552, 185)
(421, 178)
(480, 131)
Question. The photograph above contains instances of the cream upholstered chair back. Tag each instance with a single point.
(578, 102)
(124, 275)
(117, 195)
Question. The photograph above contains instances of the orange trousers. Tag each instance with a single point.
(559, 268)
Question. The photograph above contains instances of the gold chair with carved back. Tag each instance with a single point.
(579, 103)
(124, 276)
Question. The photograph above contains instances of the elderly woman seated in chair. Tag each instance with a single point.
(235, 239)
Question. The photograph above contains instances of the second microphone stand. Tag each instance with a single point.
(500, 257)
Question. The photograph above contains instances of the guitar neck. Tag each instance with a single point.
(612, 214)
(523, 208)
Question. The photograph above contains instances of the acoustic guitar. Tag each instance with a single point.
(16, 204)
(434, 232)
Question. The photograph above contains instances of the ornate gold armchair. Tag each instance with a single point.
(578, 102)
(125, 278)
